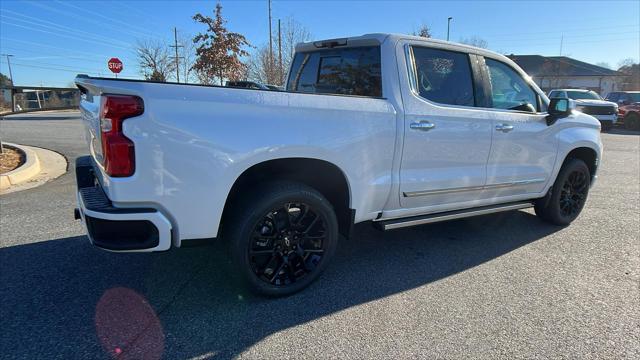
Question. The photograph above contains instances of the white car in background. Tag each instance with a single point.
(589, 102)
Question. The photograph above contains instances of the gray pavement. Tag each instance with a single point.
(499, 286)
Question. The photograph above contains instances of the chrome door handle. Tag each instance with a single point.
(422, 125)
(504, 127)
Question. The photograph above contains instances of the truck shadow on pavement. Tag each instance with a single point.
(65, 299)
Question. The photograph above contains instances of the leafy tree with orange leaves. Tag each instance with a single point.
(218, 51)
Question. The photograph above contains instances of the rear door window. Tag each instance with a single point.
(443, 76)
(349, 71)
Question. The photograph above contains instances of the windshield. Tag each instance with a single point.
(583, 95)
(634, 97)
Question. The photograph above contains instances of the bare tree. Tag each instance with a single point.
(260, 69)
(475, 41)
(293, 33)
(555, 72)
(626, 62)
(187, 54)
(218, 50)
(423, 31)
(631, 71)
(154, 60)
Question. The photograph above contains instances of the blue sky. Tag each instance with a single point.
(53, 40)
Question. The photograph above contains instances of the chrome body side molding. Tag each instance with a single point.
(472, 188)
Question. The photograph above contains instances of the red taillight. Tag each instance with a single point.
(621, 111)
(117, 149)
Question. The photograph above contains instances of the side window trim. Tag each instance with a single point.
(481, 83)
(413, 80)
(296, 79)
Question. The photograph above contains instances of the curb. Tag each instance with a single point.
(24, 172)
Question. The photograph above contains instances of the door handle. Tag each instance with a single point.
(422, 125)
(504, 127)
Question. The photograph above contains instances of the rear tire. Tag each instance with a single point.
(567, 196)
(281, 237)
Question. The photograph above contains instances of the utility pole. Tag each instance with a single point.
(448, 26)
(9, 65)
(280, 69)
(270, 47)
(177, 58)
(13, 83)
(561, 43)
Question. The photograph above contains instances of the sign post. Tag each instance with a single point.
(115, 65)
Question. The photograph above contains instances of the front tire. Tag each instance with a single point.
(606, 125)
(632, 121)
(282, 237)
(567, 196)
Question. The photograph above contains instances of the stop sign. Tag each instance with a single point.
(115, 65)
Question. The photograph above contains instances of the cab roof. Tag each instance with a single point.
(374, 39)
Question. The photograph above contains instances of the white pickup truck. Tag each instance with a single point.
(392, 129)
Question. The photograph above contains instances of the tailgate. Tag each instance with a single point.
(90, 112)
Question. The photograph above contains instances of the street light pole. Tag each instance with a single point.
(448, 26)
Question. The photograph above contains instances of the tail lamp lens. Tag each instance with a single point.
(118, 150)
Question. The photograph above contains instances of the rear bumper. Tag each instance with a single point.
(116, 228)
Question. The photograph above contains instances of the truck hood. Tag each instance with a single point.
(595, 102)
(585, 120)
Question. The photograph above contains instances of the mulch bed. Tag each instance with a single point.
(10, 159)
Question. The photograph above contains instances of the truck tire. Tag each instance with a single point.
(281, 237)
(632, 121)
(606, 125)
(567, 196)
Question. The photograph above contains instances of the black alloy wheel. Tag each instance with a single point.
(568, 195)
(281, 235)
(287, 244)
(573, 193)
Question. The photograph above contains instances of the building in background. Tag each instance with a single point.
(553, 72)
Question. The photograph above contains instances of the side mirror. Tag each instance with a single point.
(559, 108)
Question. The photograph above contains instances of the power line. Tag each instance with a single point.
(140, 30)
(569, 30)
(567, 36)
(63, 32)
(89, 20)
(87, 54)
(52, 25)
(53, 68)
(63, 35)
(575, 42)
(57, 54)
(75, 71)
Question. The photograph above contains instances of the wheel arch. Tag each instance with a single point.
(321, 175)
(586, 154)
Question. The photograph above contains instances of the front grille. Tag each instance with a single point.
(598, 110)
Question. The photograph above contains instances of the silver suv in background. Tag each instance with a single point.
(589, 102)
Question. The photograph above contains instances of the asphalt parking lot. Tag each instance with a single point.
(498, 286)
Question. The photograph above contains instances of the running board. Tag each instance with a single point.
(449, 215)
